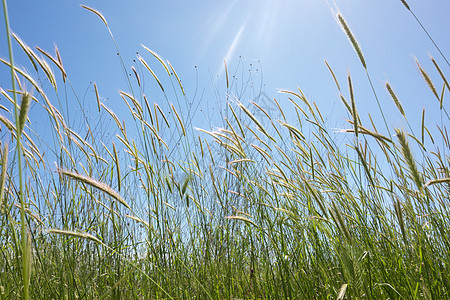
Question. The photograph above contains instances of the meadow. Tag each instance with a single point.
(266, 205)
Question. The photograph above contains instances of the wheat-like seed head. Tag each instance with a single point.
(399, 214)
(437, 181)
(97, 96)
(56, 61)
(138, 220)
(340, 222)
(352, 39)
(334, 76)
(3, 172)
(240, 218)
(159, 58)
(179, 119)
(354, 111)
(178, 78)
(75, 234)
(441, 73)
(394, 97)
(407, 154)
(116, 158)
(24, 108)
(94, 183)
(427, 79)
(99, 14)
(144, 63)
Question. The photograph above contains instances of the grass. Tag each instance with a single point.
(254, 209)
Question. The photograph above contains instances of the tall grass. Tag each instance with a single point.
(20, 115)
(265, 206)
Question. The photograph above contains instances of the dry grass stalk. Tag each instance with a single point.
(178, 78)
(234, 134)
(97, 96)
(115, 118)
(162, 114)
(56, 61)
(334, 76)
(82, 235)
(279, 108)
(41, 62)
(237, 120)
(8, 124)
(228, 135)
(300, 96)
(138, 79)
(263, 153)
(255, 120)
(99, 14)
(138, 220)
(58, 56)
(294, 130)
(437, 181)
(418, 142)
(151, 71)
(49, 107)
(231, 148)
(136, 104)
(158, 58)
(363, 130)
(261, 109)
(95, 183)
(23, 73)
(179, 119)
(240, 218)
(149, 111)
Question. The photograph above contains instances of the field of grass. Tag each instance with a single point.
(268, 205)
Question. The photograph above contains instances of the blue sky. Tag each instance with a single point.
(287, 39)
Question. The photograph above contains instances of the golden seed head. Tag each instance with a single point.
(24, 108)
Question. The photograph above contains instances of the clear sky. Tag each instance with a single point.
(287, 39)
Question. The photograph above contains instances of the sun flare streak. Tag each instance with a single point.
(233, 46)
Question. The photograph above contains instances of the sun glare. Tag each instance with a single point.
(252, 25)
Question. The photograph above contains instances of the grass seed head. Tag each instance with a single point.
(405, 4)
(395, 99)
(407, 154)
(24, 108)
(352, 39)
(3, 173)
(427, 80)
(99, 14)
(354, 111)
